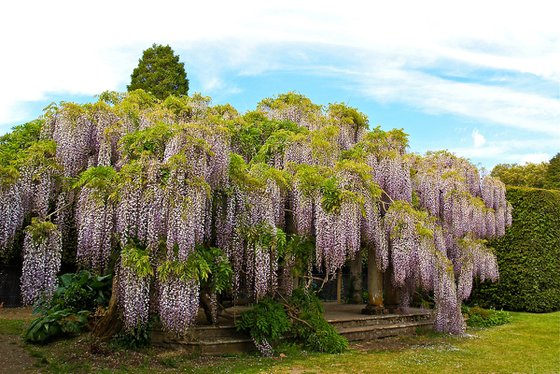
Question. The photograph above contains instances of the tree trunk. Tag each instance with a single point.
(356, 279)
(339, 286)
(111, 322)
(392, 293)
(210, 305)
(375, 286)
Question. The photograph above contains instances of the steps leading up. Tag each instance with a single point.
(206, 340)
(350, 323)
(366, 327)
(346, 319)
(376, 331)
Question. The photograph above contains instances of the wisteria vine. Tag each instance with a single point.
(155, 179)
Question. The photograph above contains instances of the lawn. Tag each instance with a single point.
(530, 344)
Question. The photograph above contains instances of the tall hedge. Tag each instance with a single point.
(528, 255)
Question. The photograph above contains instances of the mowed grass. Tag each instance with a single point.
(529, 344)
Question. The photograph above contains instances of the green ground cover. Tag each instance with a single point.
(529, 344)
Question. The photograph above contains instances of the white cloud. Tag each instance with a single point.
(478, 139)
(515, 151)
(535, 158)
(386, 50)
(500, 105)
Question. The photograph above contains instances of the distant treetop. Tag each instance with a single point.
(160, 73)
(553, 173)
(544, 175)
(528, 175)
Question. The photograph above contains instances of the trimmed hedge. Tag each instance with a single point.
(528, 256)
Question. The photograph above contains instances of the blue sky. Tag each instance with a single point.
(480, 78)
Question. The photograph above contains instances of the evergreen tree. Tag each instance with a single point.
(160, 72)
(553, 173)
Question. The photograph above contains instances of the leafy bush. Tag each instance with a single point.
(299, 320)
(266, 321)
(528, 256)
(479, 317)
(77, 295)
(55, 322)
(311, 328)
(81, 291)
(133, 339)
(219, 268)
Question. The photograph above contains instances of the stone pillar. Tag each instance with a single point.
(356, 279)
(375, 286)
(392, 293)
(339, 286)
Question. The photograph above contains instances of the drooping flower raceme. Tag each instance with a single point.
(42, 249)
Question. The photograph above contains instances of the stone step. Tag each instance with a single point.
(388, 319)
(382, 331)
(202, 333)
(213, 332)
(206, 340)
(212, 347)
(225, 339)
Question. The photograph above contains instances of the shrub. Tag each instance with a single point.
(135, 338)
(479, 317)
(82, 291)
(299, 319)
(267, 321)
(311, 329)
(528, 256)
(55, 322)
(77, 295)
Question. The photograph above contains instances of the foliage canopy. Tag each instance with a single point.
(544, 175)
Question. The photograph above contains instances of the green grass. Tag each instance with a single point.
(11, 326)
(529, 344)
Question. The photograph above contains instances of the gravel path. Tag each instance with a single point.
(13, 357)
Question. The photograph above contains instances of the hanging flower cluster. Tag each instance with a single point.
(186, 222)
(339, 207)
(95, 223)
(75, 137)
(26, 187)
(95, 216)
(293, 107)
(105, 147)
(352, 123)
(12, 207)
(392, 173)
(418, 260)
(178, 296)
(302, 206)
(477, 261)
(42, 249)
(129, 208)
(253, 212)
(450, 188)
(468, 209)
(134, 276)
(337, 235)
(178, 304)
(448, 306)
